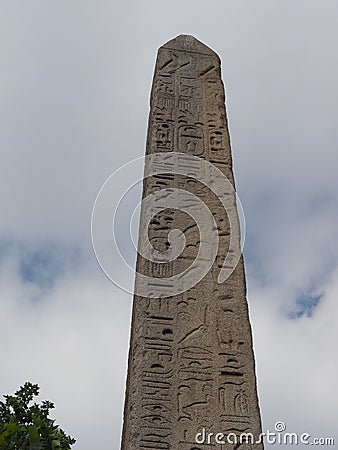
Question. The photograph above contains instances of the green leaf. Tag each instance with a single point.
(11, 427)
(33, 433)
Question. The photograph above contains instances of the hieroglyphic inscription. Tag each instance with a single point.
(191, 363)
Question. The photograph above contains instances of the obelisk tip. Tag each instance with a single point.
(189, 43)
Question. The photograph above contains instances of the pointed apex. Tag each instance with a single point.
(188, 43)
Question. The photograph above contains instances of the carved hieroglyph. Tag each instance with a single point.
(191, 363)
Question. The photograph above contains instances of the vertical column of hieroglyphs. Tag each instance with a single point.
(149, 420)
(191, 363)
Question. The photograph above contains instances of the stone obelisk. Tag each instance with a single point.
(191, 374)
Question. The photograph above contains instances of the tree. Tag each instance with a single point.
(25, 427)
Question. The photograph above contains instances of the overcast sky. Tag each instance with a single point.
(75, 80)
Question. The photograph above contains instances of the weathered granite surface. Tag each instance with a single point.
(191, 362)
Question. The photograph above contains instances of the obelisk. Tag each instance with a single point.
(191, 374)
